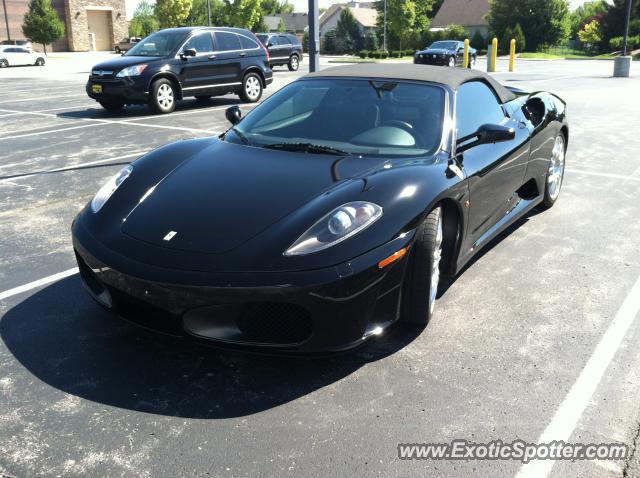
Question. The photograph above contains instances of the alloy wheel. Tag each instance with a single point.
(294, 63)
(165, 96)
(556, 168)
(435, 265)
(452, 61)
(252, 87)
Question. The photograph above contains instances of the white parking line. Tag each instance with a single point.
(48, 131)
(75, 166)
(98, 121)
(38, 99)
(37, 283)
(570, 411)
(604, 175)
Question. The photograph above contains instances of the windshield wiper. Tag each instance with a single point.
(307, 148)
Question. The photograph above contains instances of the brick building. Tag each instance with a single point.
(89, 24)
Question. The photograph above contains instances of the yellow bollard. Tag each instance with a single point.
(512, 55)
(465, 58)
(494, 54)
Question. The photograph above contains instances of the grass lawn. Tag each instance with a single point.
(354, 59)
(571, 55)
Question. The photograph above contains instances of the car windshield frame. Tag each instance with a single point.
(138, 47)
(437, 45)
(249, 137)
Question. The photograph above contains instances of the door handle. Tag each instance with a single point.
(243, 54)
(212, 57)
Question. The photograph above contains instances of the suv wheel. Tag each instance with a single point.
(294, 63)
(452, 61)
(251, 88)
(162, 97)
(117, 49)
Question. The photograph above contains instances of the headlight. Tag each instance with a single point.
(135, 70)
(109, 188)
(340, 224)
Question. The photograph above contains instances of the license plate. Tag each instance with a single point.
(96, 88)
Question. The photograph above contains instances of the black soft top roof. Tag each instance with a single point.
(452, 77)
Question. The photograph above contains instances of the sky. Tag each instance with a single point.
(302, 5)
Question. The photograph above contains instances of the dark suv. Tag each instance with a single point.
(284, 49)
(178, 62)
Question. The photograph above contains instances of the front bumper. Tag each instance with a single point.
(305, 312)
(126, 90)
(427, 59)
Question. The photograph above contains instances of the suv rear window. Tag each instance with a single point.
(226, 41)
(247, 43)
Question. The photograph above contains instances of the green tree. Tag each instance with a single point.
(172, 13)
(260, 27)
(276, 7)
(329, 43)
(408, 22)
(244, 13)
(42, 24)
(401, 16)
(348, 34)
(371, 41)
(144, 21)
(584, 13)
(591, 34)
(544, 22)
(200, 16)
(518, 34)
(455, 32)
(281, 26)
(478, 41)
(613, 21)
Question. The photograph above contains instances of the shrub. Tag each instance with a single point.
(384, 54)
(409, 52)
(363, 53)
(371, 54)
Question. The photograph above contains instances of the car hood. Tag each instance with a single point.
(228, 193)
(435, 51)
(118, 63)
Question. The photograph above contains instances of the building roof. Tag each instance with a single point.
(452, 77)
(462, 12)
(366, 17)
(293, 22)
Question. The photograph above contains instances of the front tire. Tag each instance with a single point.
(40, 62)
(422, 277)
(452, 62)
(294, 63)
(472, 62)
(112, 105)
(251, 88)
(117, 49)
(555, 173)
(162, 98)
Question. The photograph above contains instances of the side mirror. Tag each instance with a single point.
(189, 52)
(487, 133)
(233, 114)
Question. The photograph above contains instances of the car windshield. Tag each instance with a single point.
(158, 44)
(350, 116)
(444, 45)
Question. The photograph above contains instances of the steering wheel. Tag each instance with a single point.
(400, 124)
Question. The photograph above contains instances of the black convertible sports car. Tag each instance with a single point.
(326, 214)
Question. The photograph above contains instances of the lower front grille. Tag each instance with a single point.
(145, 314)
(274, 323)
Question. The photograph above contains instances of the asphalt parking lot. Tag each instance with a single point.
(537, 340)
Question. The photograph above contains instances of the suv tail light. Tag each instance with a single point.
(266, 51)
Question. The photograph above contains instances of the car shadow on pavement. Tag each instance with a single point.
(142, 111)
(447, 282)
(67, 341)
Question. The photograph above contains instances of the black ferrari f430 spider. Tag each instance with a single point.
(327, 213)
